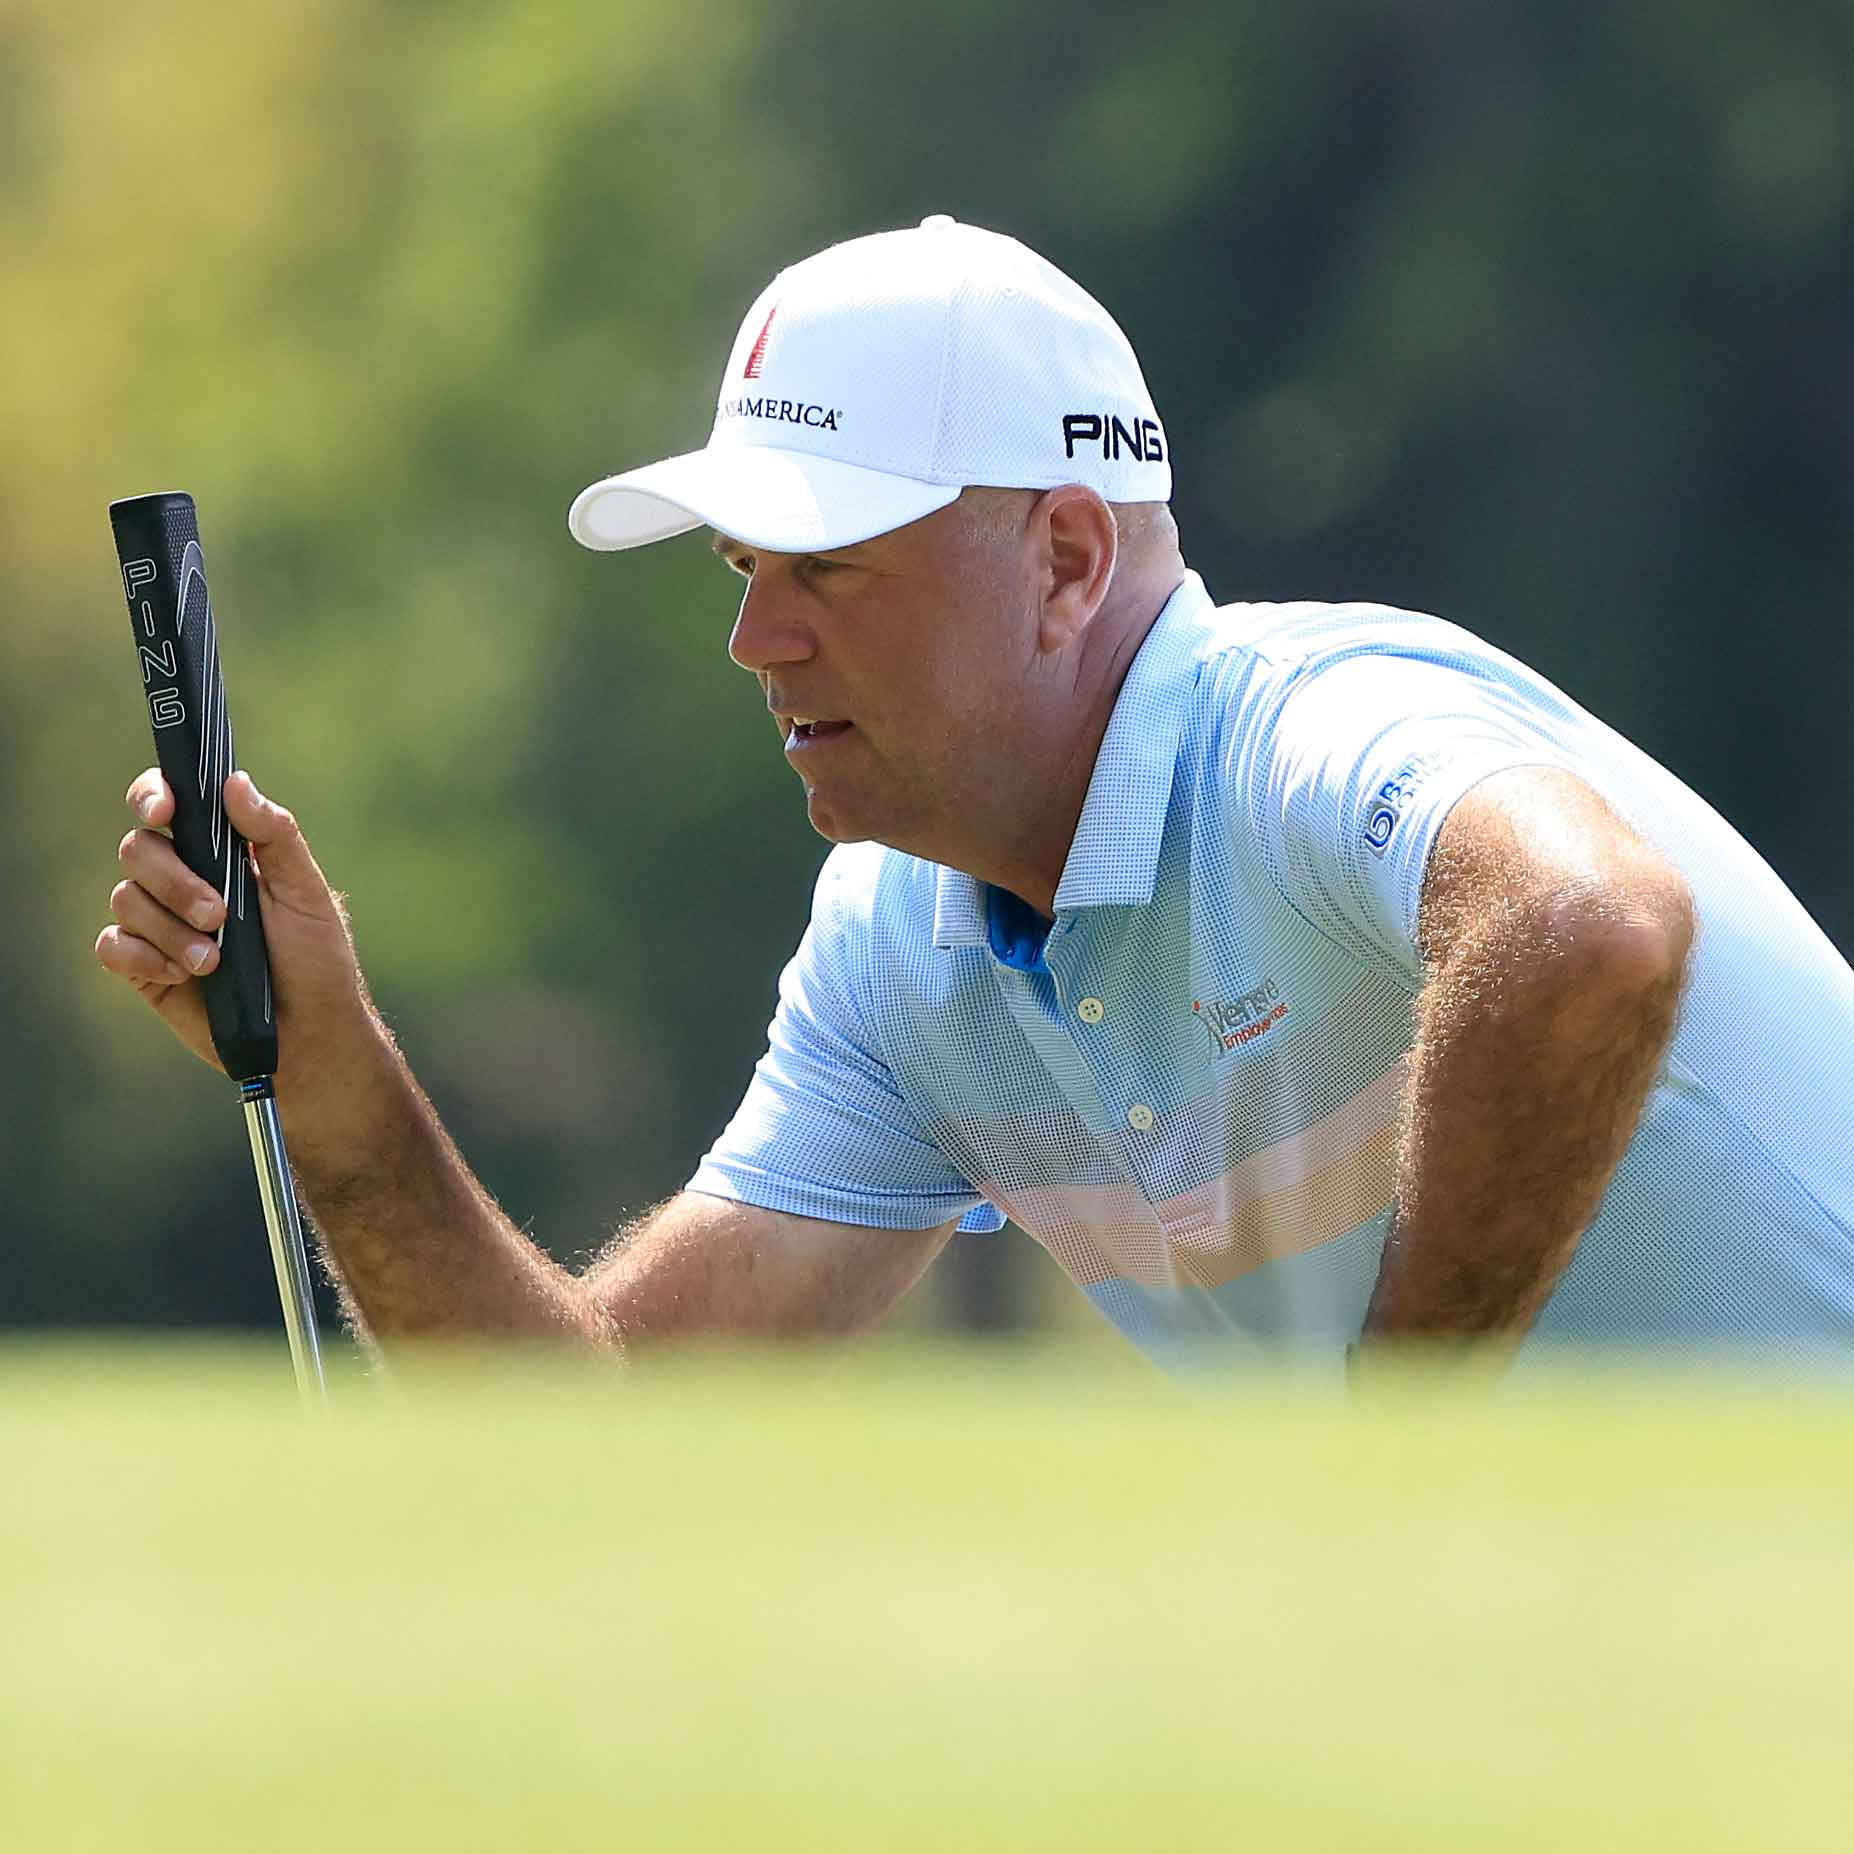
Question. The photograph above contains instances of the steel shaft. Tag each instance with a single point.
(281, 1219)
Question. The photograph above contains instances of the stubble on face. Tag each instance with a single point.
(919, 638)
(940, 653)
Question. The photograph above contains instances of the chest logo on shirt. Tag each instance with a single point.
(1230, 1023)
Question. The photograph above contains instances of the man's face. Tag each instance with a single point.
(897, 670)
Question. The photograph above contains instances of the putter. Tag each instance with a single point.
(170, 611)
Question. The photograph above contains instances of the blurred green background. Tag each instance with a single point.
(1536, 317)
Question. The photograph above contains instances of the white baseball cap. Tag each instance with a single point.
(873, 382)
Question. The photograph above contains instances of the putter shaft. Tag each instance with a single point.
(284, 1224)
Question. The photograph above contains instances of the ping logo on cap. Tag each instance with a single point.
(756, 356)
(1141, 439)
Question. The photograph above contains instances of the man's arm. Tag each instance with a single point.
(419, 1248)
(1555, 943)
(701, 1265)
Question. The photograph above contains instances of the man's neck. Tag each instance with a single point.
(1029, 861)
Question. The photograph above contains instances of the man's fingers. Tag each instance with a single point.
(144, 917)
(151, 862)
(167, 919)
(131, 957)
(150, 798)
(289, 871)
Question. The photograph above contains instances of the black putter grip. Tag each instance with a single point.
(158, 544)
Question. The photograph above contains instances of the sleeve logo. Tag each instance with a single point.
(1387, 804)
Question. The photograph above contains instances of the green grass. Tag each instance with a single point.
(903, 1599)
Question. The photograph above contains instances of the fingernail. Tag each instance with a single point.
(144, 806)
(203, 913)
(198, 954)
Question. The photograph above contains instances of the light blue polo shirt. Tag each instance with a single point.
(1188, 1093)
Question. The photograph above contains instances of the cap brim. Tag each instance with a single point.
(789, 502)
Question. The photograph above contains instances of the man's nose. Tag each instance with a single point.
(766, 632)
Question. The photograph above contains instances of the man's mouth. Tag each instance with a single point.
(802, 730)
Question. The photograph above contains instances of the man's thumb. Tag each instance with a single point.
(288, 869)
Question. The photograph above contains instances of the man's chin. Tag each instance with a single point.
(832, 824)
(837, 818)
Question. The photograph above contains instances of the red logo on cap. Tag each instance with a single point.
(757, 354)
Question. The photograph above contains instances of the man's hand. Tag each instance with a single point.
(167, 919)
(1556, 942)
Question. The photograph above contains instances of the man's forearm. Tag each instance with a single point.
(417, 1244)
(1537, 1043)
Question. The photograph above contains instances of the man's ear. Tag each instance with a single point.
(1080, 545)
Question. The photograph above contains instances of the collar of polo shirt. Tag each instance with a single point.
(1114, 859)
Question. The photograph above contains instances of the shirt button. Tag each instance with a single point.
(1139, 1117)
(1091, 1010)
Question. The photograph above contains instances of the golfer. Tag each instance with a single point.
(1302, 977)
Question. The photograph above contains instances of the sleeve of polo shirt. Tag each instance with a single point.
(1362, 765)
(823, 1130)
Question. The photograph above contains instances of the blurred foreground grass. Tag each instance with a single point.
(904, 1599)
